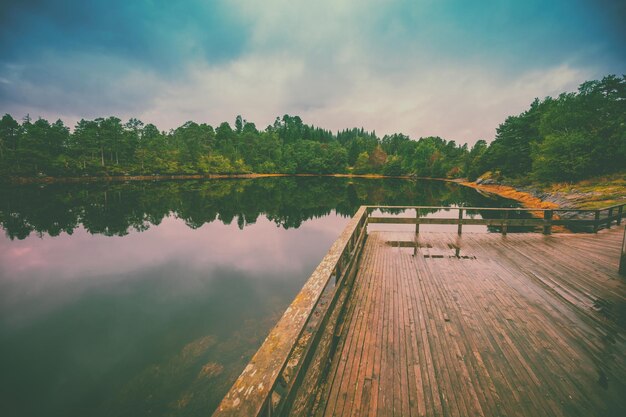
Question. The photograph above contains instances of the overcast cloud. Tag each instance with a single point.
(451, 68)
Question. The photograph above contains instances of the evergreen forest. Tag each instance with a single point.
(571, 137)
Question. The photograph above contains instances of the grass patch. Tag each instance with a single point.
(593, 193)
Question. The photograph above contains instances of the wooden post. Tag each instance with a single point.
(547, 222)
(622, 260)
(460, 221)
(596, 225)
(417, 220)
(358, 230)
(505, 222)
(609, 220)
(619, 214)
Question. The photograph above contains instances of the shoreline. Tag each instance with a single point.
(125, 178)
(527, 199)
(589, 194)
(583, 195)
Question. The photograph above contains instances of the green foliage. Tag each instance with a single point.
(574, 136)
(393, 167)
(563, 157)
(106, 146)
(362, 165)
(473, 160)
(215, 164)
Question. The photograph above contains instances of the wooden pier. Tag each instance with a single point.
(410, 323)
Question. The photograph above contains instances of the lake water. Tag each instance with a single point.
(148, 298)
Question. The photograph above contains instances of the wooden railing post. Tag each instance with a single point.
(620, 210)
(547, 222)
(596, 224)
(622, 260)
(505, 222)
(417, 220)
(610, 218)
(460, 229)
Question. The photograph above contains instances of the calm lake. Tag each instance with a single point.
(148, 298)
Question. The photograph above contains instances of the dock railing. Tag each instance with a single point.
(622, 259)
(595, 219)
(293, 358)
(283, 375)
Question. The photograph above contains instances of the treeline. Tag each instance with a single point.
(110, 147)
(570, 137)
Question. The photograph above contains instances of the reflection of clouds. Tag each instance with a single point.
(17, 252)
(48, 270)
(21, 257)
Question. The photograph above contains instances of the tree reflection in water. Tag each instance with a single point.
(114, 209)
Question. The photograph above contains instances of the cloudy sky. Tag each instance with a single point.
(454, 68)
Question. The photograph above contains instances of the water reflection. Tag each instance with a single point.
(116, 209)
(149, 298)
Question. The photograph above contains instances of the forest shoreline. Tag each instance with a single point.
(589, 194)
(526, 198)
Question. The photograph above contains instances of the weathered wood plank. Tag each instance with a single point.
(444, 324)
(487, 325)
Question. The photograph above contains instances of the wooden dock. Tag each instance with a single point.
(483, 325)
(449, 324)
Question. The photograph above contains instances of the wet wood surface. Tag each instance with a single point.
(482, 325)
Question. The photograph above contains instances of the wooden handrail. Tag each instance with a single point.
(546, 222)
(385, 207)
(269, 383)
(485, 222)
